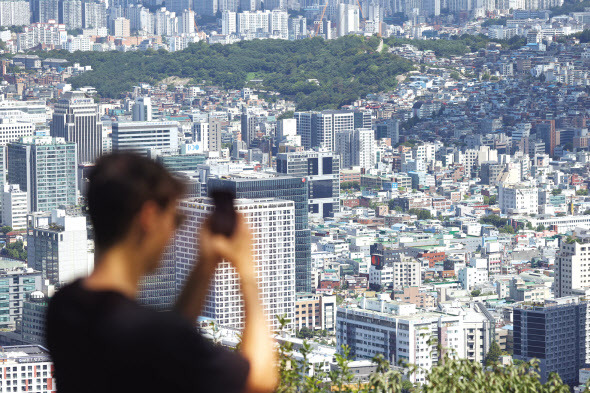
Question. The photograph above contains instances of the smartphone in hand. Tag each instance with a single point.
(223, 219)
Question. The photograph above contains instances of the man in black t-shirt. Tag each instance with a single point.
(102, 340)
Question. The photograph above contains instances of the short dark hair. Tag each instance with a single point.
(119, 185)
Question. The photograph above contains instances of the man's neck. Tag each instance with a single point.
(117, 269)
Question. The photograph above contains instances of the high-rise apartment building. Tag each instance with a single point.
(144, 136)
(121, 27)
(70, 14)
(556, 334)
(228, 23)
(263, 186)
(95, 14)
(15, 13)
(76, 119)
(45, 168)
(322, 171)
(272, 224)
(57, 244)
(14, 207)
(186, 22)
(364, 148)
(45, 10)
(356, 148)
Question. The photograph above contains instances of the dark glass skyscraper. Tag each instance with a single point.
(556, 335)
(280, 187)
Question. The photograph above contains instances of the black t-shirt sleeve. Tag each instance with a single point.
(192, 363)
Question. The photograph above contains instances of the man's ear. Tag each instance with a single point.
(148, 217)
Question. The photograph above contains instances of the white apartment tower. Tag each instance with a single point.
(186, 23)
(14, 13)
(14, 207)
(228, 23)
(572, 265)
(364, 148)
(272, 223)
(58, 246)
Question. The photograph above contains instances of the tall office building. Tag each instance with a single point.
(57, 243)
(17, 282)
(322, 171)
(572, 269)
(547, 133)
(393, 131)
(248, 123)
(76, 119)
(272, 223)
(343, 144)
(318, 129)
(209, 137)
(14, 207)
(363, 119)
(556, 335)
(11, 130)
(144, 136)
(263, 186)
(142, 109)
(45, 168)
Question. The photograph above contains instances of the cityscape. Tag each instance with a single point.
(415, 173)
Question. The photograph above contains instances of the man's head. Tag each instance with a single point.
(132, 200)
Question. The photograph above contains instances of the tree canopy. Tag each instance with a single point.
(316, 73)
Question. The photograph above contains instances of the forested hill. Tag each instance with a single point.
(345, 69)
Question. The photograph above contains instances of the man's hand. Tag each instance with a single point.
(237, 249)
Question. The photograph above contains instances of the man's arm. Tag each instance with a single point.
(257, 344)
(192, 298)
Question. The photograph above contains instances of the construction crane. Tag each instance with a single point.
(317, 28)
